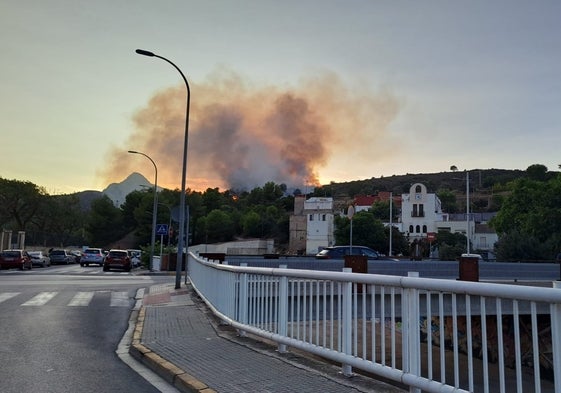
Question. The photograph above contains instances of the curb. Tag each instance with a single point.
(172, 374)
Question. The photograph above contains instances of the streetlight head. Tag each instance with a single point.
(132, 151)
(145, 52)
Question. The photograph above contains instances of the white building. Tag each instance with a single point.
(312, 224)
(422, 216)
(319, 224)
(420, 212)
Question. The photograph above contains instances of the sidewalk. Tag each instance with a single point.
(181, 340)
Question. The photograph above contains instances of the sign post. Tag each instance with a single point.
(350, 214)
(162, 229)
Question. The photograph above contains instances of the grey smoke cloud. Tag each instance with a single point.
(242, 136)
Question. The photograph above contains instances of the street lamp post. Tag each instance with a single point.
(154, 208)
(183, 173)
(467, 209)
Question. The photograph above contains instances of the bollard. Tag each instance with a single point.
(469, 267)
(358, 264)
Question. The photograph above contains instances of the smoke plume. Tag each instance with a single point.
(242, 136)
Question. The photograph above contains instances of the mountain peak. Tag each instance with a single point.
(118, 192)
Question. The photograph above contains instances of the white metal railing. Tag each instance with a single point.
(432, 335)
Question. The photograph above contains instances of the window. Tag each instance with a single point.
(421, 210)
(323, 217)
(424, 229)
(418, 229)
(418, 189)
(414, 211)
(311, 217)
(410, 228)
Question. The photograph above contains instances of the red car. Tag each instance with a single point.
(117, 259)
(15, 259)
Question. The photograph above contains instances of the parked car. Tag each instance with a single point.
(339, 252)
(117, 259)
(39, 259)
(77, 254)
(135, 257)
(61, 256)
(92, 256)
(15, 259)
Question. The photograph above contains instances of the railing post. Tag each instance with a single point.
(283, 309)
(410, 327)
(555, 310)
(243, 306)
(347, 322)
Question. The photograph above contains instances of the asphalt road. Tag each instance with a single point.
(60, 327)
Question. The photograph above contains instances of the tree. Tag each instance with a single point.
(530, 214)
(219, 226)
(450, 245)
(105, 223)
(367, 231)
(20, 202)
(537, 172)
(400, 245)
(381, 210)
(251, 224)
(448, 201)
(60, 221)
(132, 201)
(516, 246)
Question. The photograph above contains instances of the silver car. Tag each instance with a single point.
(92, 256)
(39, 259)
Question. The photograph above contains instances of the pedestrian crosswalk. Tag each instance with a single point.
(71, 269)
(78, 299)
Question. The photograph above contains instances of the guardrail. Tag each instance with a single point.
(433, 335)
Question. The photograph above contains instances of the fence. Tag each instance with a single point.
(432, 335)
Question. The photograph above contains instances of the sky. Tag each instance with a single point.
(297, 92)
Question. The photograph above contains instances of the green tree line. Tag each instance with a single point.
(528, 218)
(214, 216)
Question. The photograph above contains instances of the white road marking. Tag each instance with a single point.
(8, 295)
(119, 299)
(40, 299)
(81, 299)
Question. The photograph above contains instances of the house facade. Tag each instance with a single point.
(312, 224)
(420, 213)
(320, 224)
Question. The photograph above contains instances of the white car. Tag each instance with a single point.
(135, 257)
(39, 259)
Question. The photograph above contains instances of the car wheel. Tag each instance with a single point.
(105, 269)
(22, 267)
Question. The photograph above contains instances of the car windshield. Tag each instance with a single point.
(90, 251)
(11, 254)
(369, 253)
(118, 254)
(57, 252)
(35, 253)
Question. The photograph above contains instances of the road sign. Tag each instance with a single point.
(162, 229)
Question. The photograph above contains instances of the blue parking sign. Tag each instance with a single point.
(162, 229)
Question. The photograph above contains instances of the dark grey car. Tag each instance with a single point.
(61, 257)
